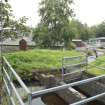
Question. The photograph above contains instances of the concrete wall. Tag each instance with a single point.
(93, 88)
(13, 48)
(69, 95)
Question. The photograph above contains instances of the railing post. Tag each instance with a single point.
(10, 85)
(87, 59)
(29, 99)
(62, 71)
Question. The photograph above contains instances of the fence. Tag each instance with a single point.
(11, 48)
(14, 97)
(9, 75)
(71, 65)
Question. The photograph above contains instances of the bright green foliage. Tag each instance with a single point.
(100, 62)
(37, 60)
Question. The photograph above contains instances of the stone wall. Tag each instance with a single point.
(93, 88)
(69, 95)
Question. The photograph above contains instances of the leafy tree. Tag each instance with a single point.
(41, 36)
(11, 27)
(55, 16)
(80, 31)
(21, 27)
(18, 28)
(5, 14)
(100, 30)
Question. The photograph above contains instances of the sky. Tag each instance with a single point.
(87, 11)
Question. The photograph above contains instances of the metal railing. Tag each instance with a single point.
(8, 73)
(54, 89)
(72, 65)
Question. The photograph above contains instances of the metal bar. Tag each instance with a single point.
(8, 91)
(97, 67)
(42, 92)
(62, 71)
(7, 88)
(30, 99)
(88, 99)
(17, 77)
(13, 87)
(73, 57)
(73, 72)
(73, 65)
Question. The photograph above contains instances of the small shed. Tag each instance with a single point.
(23, 44)
(79, 42)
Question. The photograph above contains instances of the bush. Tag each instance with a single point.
(90, 53)
(71, 46)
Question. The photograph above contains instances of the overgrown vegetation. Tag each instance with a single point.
(100, 62)
(38, 60)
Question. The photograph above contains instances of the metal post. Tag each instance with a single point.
(62, 71)
(86, 59)
(1, 51)
(30, 99)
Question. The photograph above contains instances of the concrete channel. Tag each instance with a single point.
(74, 94)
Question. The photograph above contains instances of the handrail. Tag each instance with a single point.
(67, 60)
(17, 77)
(88, 99)
(43, 92)
(73, 65)
(13, 87)
(72, 57)
(54, 89)
(102, 68)
(8, 91)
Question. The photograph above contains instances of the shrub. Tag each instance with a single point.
(71, 46)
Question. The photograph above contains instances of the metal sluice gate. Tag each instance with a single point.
(8, 74)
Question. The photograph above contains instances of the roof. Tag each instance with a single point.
(76, 40)
(10, 41)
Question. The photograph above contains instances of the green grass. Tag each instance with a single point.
(100, 62)
(34, 60)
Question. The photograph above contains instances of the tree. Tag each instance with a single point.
(21, 27)
(100, 30)
(5, 14)
(18, 28)
(80, 31)
(10, 27)
(55, 16)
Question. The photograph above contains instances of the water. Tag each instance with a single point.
(36, 101)
(93, 58)
(53, 99)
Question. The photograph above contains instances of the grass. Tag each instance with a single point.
(100, 62)
(38, 59)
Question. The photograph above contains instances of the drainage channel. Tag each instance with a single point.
(96, 102)
(54, 99)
